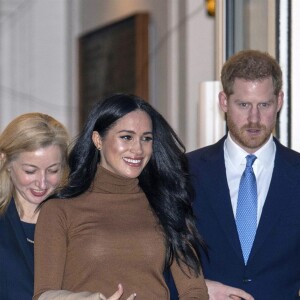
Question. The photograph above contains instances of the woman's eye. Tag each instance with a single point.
(147, 138)
(126, 137)
(53, 171)
(29, 172)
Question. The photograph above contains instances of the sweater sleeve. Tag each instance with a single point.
(188, 286)
(67, 295)
(50, 248)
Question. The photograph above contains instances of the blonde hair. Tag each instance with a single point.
(27, 133)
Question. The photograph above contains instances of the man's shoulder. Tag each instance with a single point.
(207, 152)
(286, 153)
(200, 152)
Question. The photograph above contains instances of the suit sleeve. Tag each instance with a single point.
(188, 285)
(50, 248)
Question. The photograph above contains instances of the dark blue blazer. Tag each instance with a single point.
(16, 258)
(273, 269)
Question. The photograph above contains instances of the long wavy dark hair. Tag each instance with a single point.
(164, 180)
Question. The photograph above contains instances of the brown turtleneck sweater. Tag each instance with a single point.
(106, 236)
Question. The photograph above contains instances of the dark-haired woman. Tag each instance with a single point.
(125, 213)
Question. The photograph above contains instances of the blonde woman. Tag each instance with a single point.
(33, 151)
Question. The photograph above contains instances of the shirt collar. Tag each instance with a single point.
(265, 155)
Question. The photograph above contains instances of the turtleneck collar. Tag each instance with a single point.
(107, 182)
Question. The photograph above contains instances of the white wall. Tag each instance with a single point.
(181, 53)
(295, 76)
(34, 61)
(39, 63)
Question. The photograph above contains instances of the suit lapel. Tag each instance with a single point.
(221, 203)
(14, 220)
(275, 204)
(277, 198)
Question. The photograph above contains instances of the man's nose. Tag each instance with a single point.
(254, 115)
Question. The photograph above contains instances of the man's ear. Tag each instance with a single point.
(223, 101)
(280, 100)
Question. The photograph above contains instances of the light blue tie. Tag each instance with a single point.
(246, 212)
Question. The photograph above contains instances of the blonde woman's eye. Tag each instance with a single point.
(54, 171)
(29, 172)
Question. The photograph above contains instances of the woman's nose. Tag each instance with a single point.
(41, 182)
(136, 147)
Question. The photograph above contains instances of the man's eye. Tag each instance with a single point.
(264, 105)
(244, 105)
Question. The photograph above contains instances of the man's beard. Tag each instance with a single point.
(244, 139)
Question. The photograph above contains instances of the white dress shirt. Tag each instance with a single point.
(235, 163)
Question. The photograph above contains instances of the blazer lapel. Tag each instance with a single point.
(277, 198)
(221, 203)
(15, 222)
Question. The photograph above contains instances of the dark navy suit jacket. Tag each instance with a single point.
(273, 269)
(16, 258)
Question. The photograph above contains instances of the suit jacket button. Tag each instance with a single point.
(247, 280)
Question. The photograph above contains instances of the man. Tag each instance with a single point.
(270, 268)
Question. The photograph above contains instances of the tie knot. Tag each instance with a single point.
(250, 160)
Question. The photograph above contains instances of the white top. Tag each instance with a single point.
(235, 163)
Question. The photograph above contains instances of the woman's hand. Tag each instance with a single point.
(219, 291)
(67, 295)
(118, 294)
